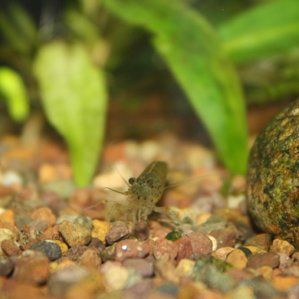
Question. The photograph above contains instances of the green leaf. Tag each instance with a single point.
(266, 29)
(74, 96)
(194, 54)
(14, 92)
(18, 28)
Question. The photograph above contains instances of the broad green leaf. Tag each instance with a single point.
(14, 92)
(266, 29)
(194, 54)
(74, 95)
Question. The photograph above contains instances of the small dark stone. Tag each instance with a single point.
(6, 266)
(50, 249)
(245, 250)
(74, 253)
(97, 243)
(108, 253)
(118, 231)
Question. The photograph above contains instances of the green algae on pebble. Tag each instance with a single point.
(273, 176)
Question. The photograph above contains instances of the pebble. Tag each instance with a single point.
(44, 214)
(222, 253)
(139, 289)
(243, 292)
(90, 259)
(18, 290)
(96, 243)
(237, 258)
(184, 247)
(77, 232)
(285, 261)
(108, 253)
(115, 275)
(263, 259)
(49, 248)
(11, 178)
(118, 231)
(50, 233)
(6, 266)
(284, 283)
(100, 229)
(62, 279)
(254, 249)
(225, 237)
(266, 272)
(10, 248)
(62, 245)
(32, 266)
(6, 234)
(184, 267)
(164, 247)
(262, 241)
(143, 267)
(282, 246)
(87, 287)
(201, 244)
(131, 248)
(7, 216)
(214, 242)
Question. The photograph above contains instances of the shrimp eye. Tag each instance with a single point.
(131, 181)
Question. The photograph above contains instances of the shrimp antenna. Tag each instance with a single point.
(116, 191)
(119, 173)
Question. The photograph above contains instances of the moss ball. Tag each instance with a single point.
(273, 176)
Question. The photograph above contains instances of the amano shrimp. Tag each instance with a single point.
(142, 196)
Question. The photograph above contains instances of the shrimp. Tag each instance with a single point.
(142, 195)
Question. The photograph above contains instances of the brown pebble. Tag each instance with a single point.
(262, 241)
(164, 247)
(96, 243)
(225, 237)
(118, 231)
(185, 248)
(282, 246)
(90, 259)
(19, 290)
(284, 261)
(141, 266)
(6, 266)
(131, 248)
(263, 259)
(239, 274)
(74, 253)
(139, 289)
(201, 244)
(44, 214)
(50, 233)
(32, 266)
(10, 248)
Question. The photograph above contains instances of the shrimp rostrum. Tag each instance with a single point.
(142, 196)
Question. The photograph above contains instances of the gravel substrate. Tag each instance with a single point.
(56, 243)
